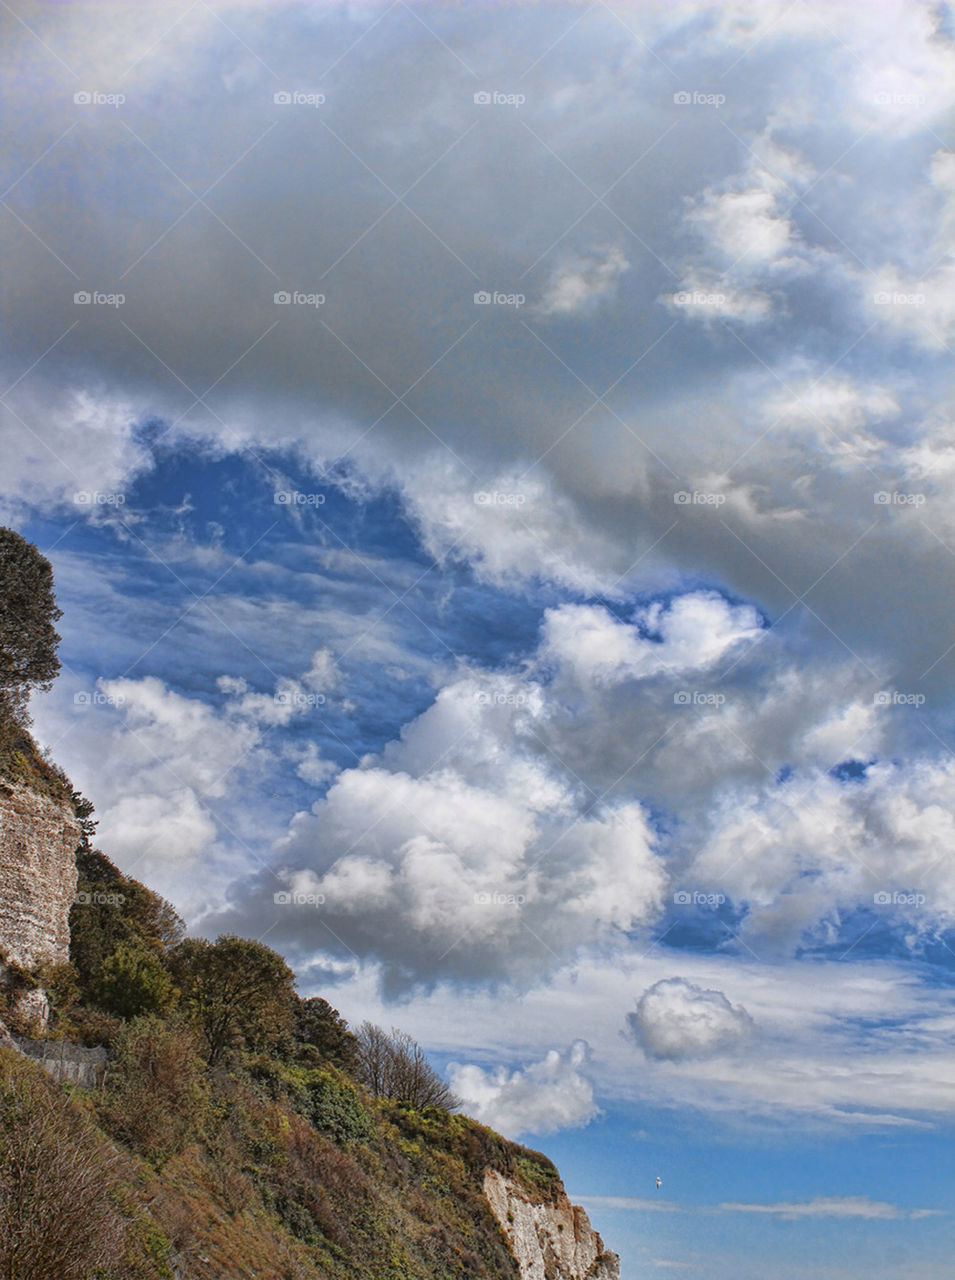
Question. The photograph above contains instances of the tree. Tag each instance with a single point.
(28, 611)
(238, 992)
(111, 909)
(134, 981)
(323, 1029)
(393, 1065)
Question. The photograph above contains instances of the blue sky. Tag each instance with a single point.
(497, 463)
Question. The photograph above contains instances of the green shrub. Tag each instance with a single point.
(157, 1095)
(334, 1108)
(134, 981)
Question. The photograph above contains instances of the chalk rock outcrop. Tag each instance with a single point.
(551, 1241)
(38, 839)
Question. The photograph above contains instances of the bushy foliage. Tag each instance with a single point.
(111, 910)
(158, 1094)
(333, 1107)
(322, 1029)
(58, 1218)
(238, 992)
(28, 612)
(134, 981)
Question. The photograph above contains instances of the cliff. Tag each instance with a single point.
(38, 839)
(550, 1239)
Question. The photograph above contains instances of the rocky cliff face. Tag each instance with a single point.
(38, 839)
(551, 1241)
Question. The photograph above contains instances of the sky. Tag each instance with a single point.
(498, 467)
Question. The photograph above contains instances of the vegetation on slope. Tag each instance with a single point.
(243, 1131)
(228, 1143)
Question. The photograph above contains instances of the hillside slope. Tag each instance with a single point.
(269, 1159)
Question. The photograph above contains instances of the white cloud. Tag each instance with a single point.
(77, 448)
(832, 1207)
(542, 1098)
(748, 242)
(579, 284)
(801, 853)
(675, 1019)
(922, 307)
(691, 632)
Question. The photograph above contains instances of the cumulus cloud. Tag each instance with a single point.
(692, 632)
(544, 1097)
(804, 852)
(675, 1019)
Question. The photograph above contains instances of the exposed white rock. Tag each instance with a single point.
(38, 839)
(551, 1241)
